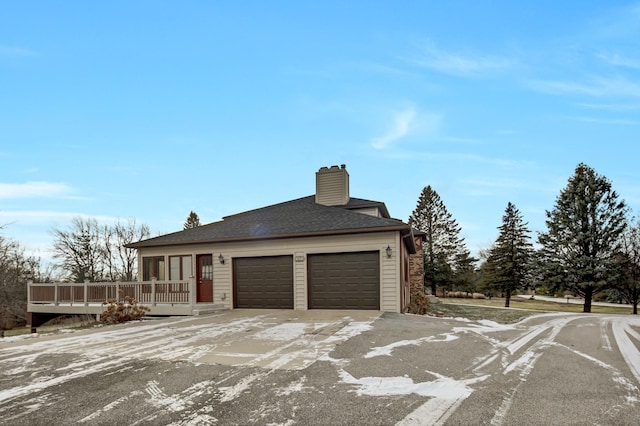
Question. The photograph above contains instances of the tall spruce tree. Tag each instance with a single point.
(583, 234)
(193, 221)
(443, 242)
(509, 259)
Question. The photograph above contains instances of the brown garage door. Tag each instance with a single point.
(263, 282)
(344, 280)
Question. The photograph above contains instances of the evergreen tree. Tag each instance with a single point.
(508, 263)
(583, 233)
(443, 242)
(629, 261)
(484, 284)
(193, 221)
(465, 275)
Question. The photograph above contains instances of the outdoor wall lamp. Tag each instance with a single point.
(388, 250)
(221, 259)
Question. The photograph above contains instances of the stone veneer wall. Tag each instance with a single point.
(416, 266)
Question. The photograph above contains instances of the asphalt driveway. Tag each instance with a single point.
(327, 367)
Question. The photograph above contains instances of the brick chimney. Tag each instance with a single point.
(332, 186)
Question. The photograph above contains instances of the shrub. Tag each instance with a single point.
(122, 311)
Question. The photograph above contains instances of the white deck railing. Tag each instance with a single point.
(150, 293)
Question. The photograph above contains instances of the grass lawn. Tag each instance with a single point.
(494, 310)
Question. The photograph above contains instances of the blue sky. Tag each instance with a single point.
(151, 109)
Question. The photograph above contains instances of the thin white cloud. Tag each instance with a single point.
(620, 60)
(618, 122)
(378, 68)
(46, 216)
(462, 158)
(596, 87)
(15, 51)
(431, 57)
(610, 107)
(405, 123)
(33, 189)
(469, 141)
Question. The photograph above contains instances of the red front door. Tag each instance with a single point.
(205, 278)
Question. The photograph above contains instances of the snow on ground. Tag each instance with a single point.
(294, 387)
(287, 345)
(270, 344)
(388, 349)
(441, 387)
(240, 339)
(282, 332)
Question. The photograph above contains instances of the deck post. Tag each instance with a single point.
(86, 299)
(153, 291)
(55, 294)
(192, 290)
(117, 291)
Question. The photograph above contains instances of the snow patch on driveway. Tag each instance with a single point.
(442, 387)
(283, 332)
(386, 350)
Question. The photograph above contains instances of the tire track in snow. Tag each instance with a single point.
(621, 332)
(8, 395)
(437, 410)
(617, 376)
(93, 416)
(527, 361)
(103, 351)
(604, 335)
(155, 341)
(303, 349)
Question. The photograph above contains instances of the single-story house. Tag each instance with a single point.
(324, 251)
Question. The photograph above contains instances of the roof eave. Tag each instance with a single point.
(401, 228)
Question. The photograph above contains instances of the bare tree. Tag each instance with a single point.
(81, 250)
(15, 269)
(122, 261)
(97, 252)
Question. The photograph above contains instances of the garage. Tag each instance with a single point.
(263, 282)
(344, 280)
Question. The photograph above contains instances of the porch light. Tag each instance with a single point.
(388, 250)
(221, 259)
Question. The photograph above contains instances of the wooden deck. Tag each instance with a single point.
(161, 297)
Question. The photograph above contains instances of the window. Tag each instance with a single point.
(153, 267)
(206, 267)
(179, 268)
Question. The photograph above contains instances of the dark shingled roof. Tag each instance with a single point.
(297, 218)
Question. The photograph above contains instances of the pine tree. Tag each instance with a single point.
(583, 234)
(443, 242)
(193, 221)
(465, 275)
(508, 263)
